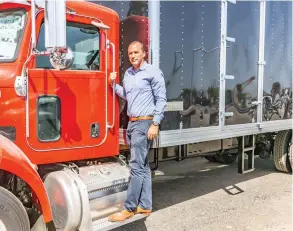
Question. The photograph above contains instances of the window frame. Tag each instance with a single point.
(58, 114)
(76, 22)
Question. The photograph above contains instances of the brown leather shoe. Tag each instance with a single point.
(145, 212)
(121, 216)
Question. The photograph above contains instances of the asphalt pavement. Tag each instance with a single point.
(195, 194)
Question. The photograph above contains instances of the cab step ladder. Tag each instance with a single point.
(244, 150)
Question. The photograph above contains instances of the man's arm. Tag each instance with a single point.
(159, 91)
(119, 90)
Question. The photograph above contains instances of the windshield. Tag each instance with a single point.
(11, 28)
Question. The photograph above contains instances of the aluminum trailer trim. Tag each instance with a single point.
(195, 135)
(154, 48)
(261, 62)
(223, 57)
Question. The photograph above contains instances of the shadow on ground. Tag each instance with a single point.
(195, 177)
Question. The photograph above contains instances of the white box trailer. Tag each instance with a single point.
(228, 73)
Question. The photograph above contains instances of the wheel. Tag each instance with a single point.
(281, 150)
(291, 152)
(12, 213)
(211, 158)
(226, 158)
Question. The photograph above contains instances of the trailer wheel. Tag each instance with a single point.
(13, 215)
(281, 151)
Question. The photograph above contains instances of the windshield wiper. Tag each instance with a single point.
(92, 59)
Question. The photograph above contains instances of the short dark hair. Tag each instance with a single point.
(141, 44)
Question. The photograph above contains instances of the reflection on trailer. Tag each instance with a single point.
(224, 88)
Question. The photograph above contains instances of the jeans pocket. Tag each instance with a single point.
(144, 126)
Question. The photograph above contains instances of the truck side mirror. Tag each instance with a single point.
(61, 57)
(55, 24)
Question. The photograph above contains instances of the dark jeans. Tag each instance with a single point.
(140, 187)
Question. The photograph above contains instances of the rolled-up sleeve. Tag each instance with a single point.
(159, 91)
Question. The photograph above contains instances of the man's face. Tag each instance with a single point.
(136, 54)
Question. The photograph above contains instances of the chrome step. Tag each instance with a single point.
(104, 224)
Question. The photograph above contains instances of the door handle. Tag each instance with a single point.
(113, 84)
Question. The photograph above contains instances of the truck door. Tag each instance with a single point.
(241, 62)
(68, 108)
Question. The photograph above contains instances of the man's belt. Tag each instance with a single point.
(132, 119)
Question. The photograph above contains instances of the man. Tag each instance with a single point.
(145, 92)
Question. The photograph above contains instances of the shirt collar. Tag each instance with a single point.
(142, 68)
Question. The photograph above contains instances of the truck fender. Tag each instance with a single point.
(13, 160)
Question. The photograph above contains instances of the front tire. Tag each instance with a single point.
(13, 215)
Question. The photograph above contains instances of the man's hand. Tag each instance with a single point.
(112, 78)
(153, 132)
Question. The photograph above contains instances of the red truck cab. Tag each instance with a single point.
(57, 124)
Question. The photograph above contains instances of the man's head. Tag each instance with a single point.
(136, 54)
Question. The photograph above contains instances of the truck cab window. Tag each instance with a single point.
(48, 120)
(83, 40)
(12, 24)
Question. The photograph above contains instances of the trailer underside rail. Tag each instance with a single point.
(194, 135)
(246, 149)
(104, 224)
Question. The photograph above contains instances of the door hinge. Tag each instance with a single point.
(223, 77)
(232, 1)
(226, 114)
(256, 103)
